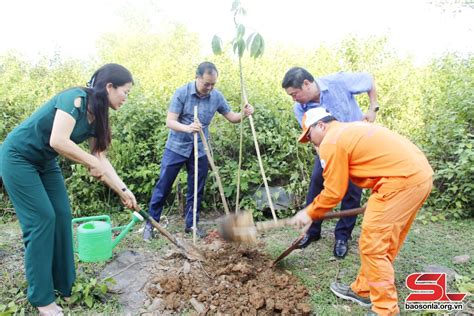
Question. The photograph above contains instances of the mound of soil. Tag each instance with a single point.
(234, 279)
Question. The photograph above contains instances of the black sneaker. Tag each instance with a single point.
(199, 232)
(307, 239)
(343, 291)
(148, 232)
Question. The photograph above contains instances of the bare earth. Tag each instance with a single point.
(234, 279)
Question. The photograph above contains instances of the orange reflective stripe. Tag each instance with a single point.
(382, 283)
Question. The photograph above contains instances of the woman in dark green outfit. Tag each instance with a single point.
(35, 185)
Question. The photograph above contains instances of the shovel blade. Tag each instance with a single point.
(288, 250)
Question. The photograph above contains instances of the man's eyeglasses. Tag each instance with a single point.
(308, 135)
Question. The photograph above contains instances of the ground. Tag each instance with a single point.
(238, 279)
(233, 279)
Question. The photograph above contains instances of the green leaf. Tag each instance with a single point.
(89, 302)
(235, 5)
(249, 39)
(14, 308)
(239, 47)
(74, 298)
(87, 291)
(216, 45)
(13, 290)
(257, 47)
(110, 280)
(103, 288)
(240, 31)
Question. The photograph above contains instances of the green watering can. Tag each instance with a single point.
(94, 237)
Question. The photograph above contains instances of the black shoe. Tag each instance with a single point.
(199, 232)
(340, 249)
(307, 239)
(345, 292)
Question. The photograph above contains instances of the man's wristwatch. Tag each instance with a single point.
(376, 109)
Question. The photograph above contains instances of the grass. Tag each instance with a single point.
(432, 243)
(427, 244)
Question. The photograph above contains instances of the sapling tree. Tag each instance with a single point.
(255, 44)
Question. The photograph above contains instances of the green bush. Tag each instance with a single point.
(432, 105)
(448, 137)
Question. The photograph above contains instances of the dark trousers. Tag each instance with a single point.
(41, 203)
(344, 225)
(171, 164)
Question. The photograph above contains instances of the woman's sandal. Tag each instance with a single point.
(50, 310)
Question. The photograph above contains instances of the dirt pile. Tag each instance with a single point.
(234, 279)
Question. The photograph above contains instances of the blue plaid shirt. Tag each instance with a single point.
(337, 96)
(183, 102)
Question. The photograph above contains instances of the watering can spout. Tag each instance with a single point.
(125, 229)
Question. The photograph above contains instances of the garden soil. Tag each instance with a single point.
(233, 280)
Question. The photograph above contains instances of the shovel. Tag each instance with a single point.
(295, 244)
(241, 227)
(189, 251)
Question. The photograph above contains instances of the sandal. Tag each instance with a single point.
(50, 310)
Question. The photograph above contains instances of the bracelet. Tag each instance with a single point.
(124, 189)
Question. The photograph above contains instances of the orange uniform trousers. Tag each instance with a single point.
(387, 220)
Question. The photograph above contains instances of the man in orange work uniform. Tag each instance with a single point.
(400, 177)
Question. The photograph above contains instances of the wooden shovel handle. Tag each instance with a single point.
(215, 170)
(266, 225)
(162, 231)
(345, 213)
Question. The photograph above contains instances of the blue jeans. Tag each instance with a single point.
(171, 164)
(344, 225)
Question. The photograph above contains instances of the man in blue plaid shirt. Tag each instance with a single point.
(179, 149)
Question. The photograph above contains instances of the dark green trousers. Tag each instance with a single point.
(41, 203)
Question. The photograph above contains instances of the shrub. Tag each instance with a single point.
(432, 105)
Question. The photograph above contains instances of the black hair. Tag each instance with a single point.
(326, 119)
(98, 100)
(206, 67)
(295, 76)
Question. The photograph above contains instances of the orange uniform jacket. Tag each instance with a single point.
(371, 156)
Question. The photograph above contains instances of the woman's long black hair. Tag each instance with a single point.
(98, 100)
